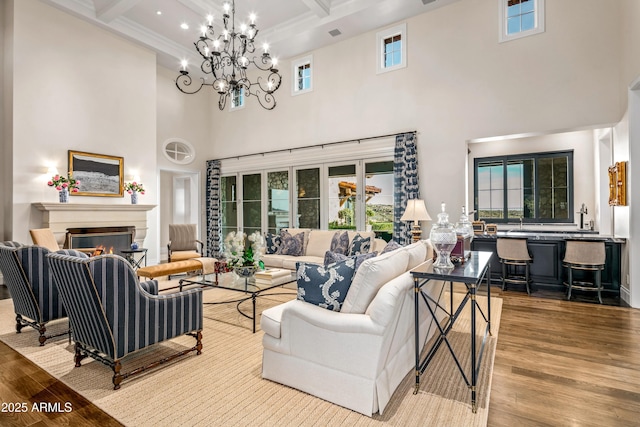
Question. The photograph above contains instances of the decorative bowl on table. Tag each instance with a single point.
(245, 270)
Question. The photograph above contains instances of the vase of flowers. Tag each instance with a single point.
(64, 185)
(134, 188)
(245, 261)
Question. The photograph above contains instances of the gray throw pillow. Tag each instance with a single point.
(291, 245)
(333, 257)
(340, 243)
(391, 246)
(325, 287)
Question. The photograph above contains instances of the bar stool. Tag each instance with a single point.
(584, 255)
(515, 259)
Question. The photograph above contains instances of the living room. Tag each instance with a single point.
(72, 85)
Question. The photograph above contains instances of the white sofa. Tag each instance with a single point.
(316, 243)
(355, 358)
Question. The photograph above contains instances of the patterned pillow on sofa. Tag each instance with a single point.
(340, 243)
(325, 287)
(359, 245)
(332, 257)
(291, 245)
(272, 242)
(391, 246)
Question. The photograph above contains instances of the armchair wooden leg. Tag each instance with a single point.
(199, 342)
(117, 377)
(19, 323)
(41, 339)
(79, 355)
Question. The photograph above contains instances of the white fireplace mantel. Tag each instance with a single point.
(60, 216)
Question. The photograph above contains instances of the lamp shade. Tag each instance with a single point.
(416, 211)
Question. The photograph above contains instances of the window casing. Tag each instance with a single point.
(520, 18)
(535, 187)
(302, 72)
(178, 151)
(391, 48)
(237, 98)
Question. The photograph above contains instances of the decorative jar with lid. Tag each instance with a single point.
(443, 238)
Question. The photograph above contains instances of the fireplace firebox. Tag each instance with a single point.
(115, 238)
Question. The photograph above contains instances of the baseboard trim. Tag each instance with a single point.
(625, 295)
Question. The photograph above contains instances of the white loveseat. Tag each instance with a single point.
(355, 358)
(316, 243)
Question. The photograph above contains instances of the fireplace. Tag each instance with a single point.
(118, 238)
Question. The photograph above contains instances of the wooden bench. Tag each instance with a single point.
(174, 267)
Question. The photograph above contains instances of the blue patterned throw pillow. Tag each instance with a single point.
(325, 287)
(359, 245)
(291, 245)
(391, 246)
(272, 242)
(340, 243)
(332, 257)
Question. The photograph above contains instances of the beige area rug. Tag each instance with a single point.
(223, 386)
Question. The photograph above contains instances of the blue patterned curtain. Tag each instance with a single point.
(214, 224)
(405, 182)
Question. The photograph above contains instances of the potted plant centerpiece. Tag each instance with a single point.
(244, 261)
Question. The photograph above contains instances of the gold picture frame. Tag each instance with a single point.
(618, 184)
(99, 174)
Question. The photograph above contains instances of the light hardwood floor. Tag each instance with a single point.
(557, 363)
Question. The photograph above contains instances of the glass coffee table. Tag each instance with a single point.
(232, 282)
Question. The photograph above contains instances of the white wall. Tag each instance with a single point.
(6, 117)
(77, 87)
(582, 144)
(460, 85)
(185, 117)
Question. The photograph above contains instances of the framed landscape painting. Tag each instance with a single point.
(99, 174)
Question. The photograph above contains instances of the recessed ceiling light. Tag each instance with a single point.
(158, 12)
(184, 26)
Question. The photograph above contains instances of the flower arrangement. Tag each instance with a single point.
(134, 187)
(62, 182)
(238, 256)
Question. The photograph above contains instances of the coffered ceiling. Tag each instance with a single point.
(291, 27)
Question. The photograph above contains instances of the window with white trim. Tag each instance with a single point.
(237, 98)
(391, 48)
(178, 151)
(302, 72)
(520, 18)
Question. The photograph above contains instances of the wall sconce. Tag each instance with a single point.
(416, 211)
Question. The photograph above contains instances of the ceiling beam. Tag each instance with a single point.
(114, 9)
(321, 8)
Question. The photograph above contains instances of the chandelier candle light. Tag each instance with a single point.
(225, 57)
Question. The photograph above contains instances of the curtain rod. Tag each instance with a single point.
(326, 144)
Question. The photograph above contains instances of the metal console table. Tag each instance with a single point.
(472, 273)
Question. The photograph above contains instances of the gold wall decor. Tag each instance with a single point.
(618, 184)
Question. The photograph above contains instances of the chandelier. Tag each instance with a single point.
(226, 59)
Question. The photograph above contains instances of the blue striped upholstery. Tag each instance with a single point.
(27, 276)
(111, 312)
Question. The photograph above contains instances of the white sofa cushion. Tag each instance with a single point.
(289, 262)
(319, 242)
(270, 319)
(372, 274)
(417, 253)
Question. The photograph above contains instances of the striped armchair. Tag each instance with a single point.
(183, 243)
(35, 298)
(113, 315)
